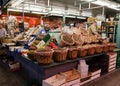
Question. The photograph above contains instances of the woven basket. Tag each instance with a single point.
(105, 48)
(44, 57)
(99, 49)
(72, 52)
(31, 55)
(66, 40)
(111, 47)
(91, 50)
(60, 54)
(82, 51)
(77, 39)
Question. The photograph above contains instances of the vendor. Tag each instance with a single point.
(3, 31)
(93, 29)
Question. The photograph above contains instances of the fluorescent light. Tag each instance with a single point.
(108, 4)
(17, 3)
(56, 15)
(103, 3)
(81, 17)
(71, 16)
(40, 13)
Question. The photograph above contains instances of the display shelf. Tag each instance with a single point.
(38, 72)
(61, 63)
(72, 60)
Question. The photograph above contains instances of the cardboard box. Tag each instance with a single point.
(111, 63)
(112, 66)
(111, 69)
(70, 83)
(96, 72)
(95, 77)
(56, 80)
(113, 59)
(78, 84)
(112, 55)
(85, 82)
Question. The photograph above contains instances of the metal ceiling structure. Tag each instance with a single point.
(68, 7)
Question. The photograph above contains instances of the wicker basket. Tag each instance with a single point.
(72, 52)
(60, 54)
(71, 75)
(111, 47)
(99, 49)
(91, 50)
(44, 57)
(31, 55)
(105, 48)
(66, 40)
(82, 51)
(77, 39)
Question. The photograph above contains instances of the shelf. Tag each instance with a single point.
(68, 61)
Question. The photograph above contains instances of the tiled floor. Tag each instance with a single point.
(8, 78)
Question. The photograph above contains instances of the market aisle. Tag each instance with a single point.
(8, 78)
(112, 79)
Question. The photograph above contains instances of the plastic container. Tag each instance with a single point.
(44, 57)
(60, 54)
(84, 71)
(72, 52)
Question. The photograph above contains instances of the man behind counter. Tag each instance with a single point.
(3, 32)
(93, 29)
